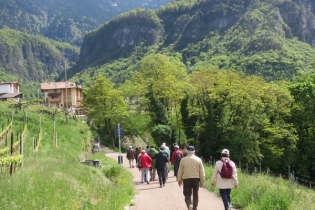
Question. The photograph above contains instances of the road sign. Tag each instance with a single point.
(119, 131)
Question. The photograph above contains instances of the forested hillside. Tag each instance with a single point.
(65, 20)
(32, 59)
(273, 39)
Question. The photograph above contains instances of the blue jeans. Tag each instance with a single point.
(225, 194)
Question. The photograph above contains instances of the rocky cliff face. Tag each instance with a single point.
(300, 17)
(118, 37)
(252, 36)
(65, 20)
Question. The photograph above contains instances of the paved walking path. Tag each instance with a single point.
(152, 197)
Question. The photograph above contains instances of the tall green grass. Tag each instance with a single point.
(54, 178)
(265, 192)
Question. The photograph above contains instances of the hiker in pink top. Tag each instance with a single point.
(146, 164)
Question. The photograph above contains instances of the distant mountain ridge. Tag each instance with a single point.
(39, 37)
(65, 20)
(274, 39)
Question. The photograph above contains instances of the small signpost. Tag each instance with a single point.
(118, 133)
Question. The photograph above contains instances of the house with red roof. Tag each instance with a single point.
(63, 95)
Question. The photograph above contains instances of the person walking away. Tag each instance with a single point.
(146, 161)
(131, 156)
(177, 155)
(160, 164)
(152, 152)
(136, 156)
(147, 149)
(166, 152)
(225, 176)
(137, 152)
(172, 149)
(139, 166)
(192, 175)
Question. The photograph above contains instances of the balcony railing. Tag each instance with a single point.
(52, 100)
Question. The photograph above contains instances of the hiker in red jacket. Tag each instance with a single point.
(177, 155)
(146, 164)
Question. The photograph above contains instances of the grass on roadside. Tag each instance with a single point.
(54, 178)
(262, 191)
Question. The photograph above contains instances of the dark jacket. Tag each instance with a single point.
(160, 162)
(130, 154)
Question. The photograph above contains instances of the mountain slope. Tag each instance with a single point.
(32, 59)
(65, 20)
(269, 38)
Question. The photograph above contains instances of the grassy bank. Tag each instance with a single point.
(264, 192)
(54, 178)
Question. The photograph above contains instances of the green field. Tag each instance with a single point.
(54, 177)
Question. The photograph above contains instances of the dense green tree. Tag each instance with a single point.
(105, 106)
(161, 82)
(162, 133)
(242, 113)
(303, 117)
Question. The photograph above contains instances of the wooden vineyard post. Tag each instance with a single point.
(11, 165)
(21, 149)
(54, 134)
(33, 144)
(12, 142)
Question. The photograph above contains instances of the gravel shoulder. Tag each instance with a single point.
(170, 197)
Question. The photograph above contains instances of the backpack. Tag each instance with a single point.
(227, 169)
(139, 165)
(178, 157)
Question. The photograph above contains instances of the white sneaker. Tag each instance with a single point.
(190, 207)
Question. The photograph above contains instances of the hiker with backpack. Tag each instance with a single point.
(177, 155)
(152, 152)
(225, 176)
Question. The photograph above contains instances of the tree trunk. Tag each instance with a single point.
(111, 137)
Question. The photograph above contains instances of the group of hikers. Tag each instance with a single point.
(188, 170)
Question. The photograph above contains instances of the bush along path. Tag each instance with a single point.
(151, 196)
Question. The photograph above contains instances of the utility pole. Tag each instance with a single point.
(66, 101)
